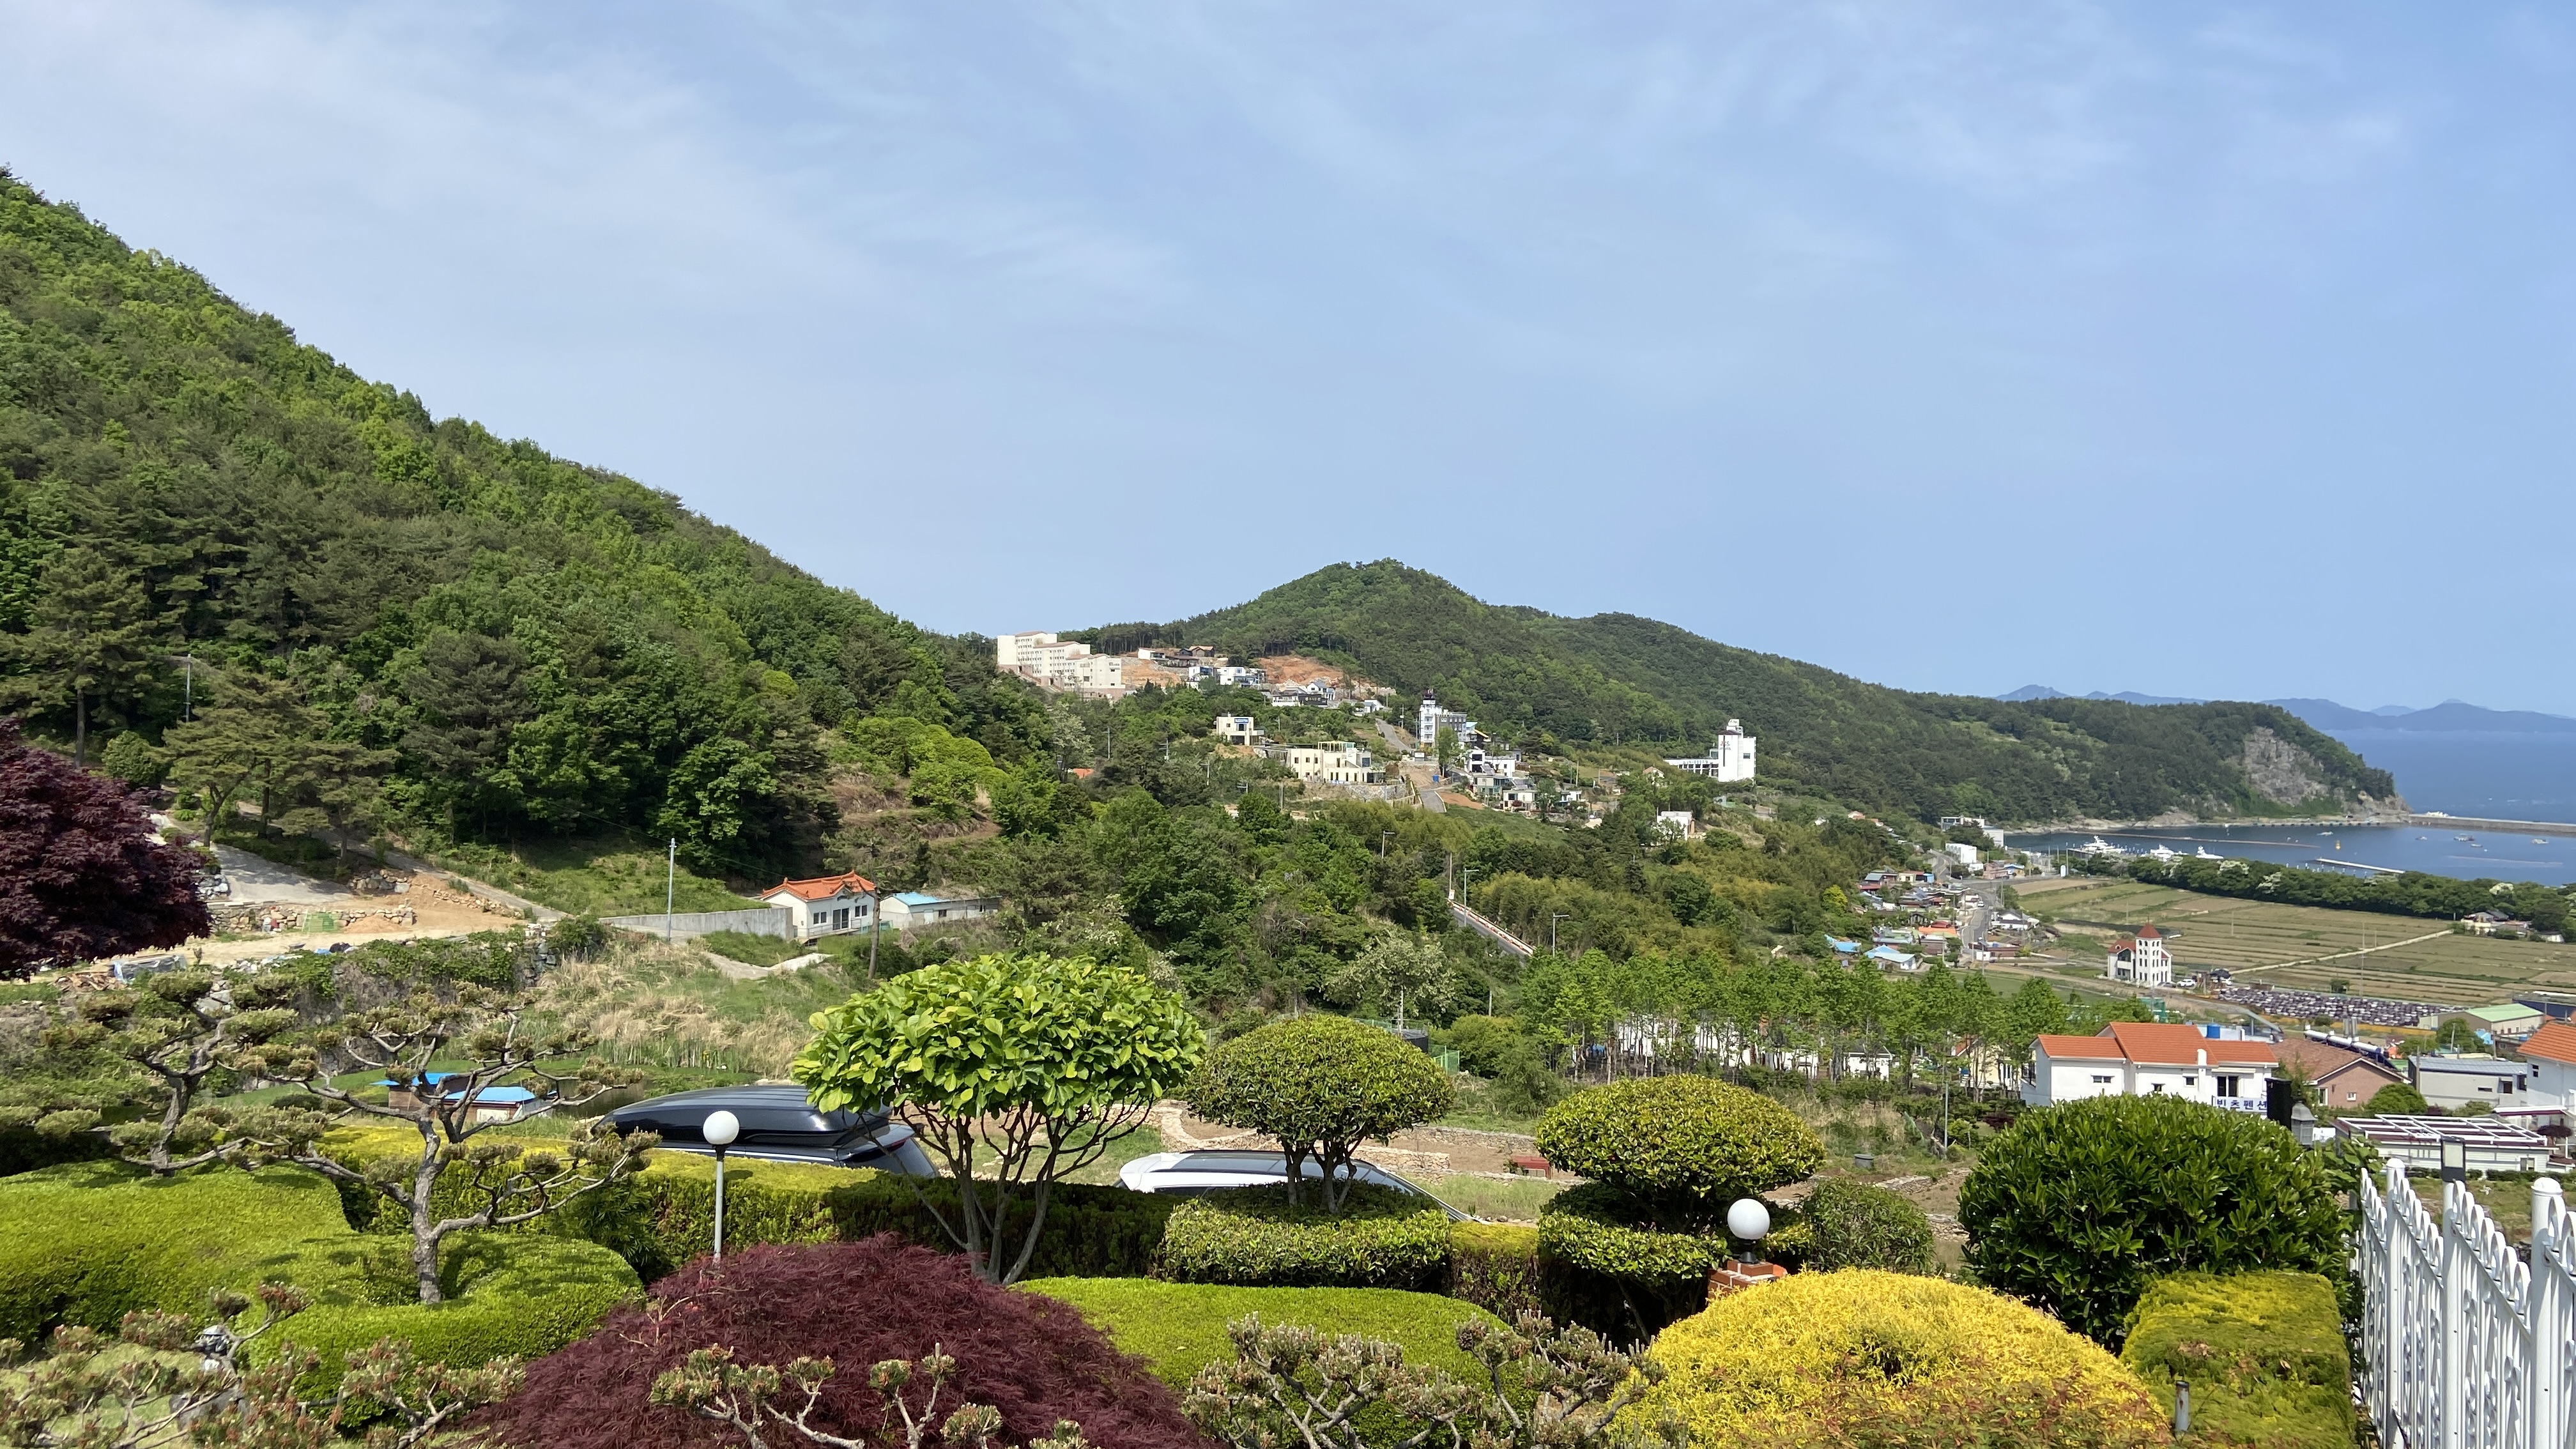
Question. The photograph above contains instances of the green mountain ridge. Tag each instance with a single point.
(200, 516)
(1619, 679)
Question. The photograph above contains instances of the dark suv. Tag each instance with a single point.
(780, 1124)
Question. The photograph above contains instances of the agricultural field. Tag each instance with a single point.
(2407, 957)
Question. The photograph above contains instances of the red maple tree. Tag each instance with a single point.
(81, 873)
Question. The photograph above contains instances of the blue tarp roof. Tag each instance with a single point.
(488, 1094)
(1839, 944)
(916, 898)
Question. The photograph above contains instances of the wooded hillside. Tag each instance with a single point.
(1617, 678)
(485, 637)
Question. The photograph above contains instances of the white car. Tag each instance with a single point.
(1188, 1174)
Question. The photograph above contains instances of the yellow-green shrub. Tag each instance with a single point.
(1495, 1266)
(2264, 1354)
(1871, 1358)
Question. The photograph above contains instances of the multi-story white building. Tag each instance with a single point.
(1237, 729)
(1337, 762)
(1059, 664)
(1728, 761)
(1433, 719)
(1242, 676)
(2146, 1059)
(2141, 962)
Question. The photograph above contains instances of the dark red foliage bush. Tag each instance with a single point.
(81, 874)
(1031, 1357)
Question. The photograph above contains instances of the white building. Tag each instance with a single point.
(1433, 719)
(2451, 1083)
(2147, 1059)
(1481, 761)
(2142, 962)
(1243, 676)
(1728, 761)
(1676, 824)
(1060, 664)
(1237, 729)
(1336, 762)
(2550, 1056)
(827, 906)
(920, 908)
(1965, 855)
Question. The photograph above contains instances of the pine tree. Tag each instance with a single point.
(94, 638)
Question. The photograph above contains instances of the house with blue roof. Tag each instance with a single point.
(1890, 956)
(908, 909)
(492, 1104)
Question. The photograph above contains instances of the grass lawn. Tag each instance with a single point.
(1180, 1327)
(1143, 1142)
(601, 876)
(668, 1006)
(1501, 1200)
(753, 950)
(2276, 944)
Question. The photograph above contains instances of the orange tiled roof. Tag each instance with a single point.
(2170, 1043)
(2086, 1048)
(823, 888)
(2554, 1042)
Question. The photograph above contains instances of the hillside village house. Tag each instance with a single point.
(2146, 1059)
(2344, 1078)
(2451, 1083)
(1727, 761)
(826, 906)
(2549, 1054)
(2142, 962)
(1336, 762)
(1432, 719)
(1237, 729)
(920, 908)
(1058, 664)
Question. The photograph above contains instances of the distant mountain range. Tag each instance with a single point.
(2451, 716)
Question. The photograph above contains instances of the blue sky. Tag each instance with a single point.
(2190, 348)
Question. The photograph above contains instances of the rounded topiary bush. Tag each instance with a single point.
(1870, 1358)
(1320, 1085)
(1685, 1145)
(2079, 1207)
(1033, 1358)
(1594, 1228)
(1855, 1225)
(2264, 1353)
(1380, 1238)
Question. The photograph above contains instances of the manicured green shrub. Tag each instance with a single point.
(1682, 1147)
(1862, 1357)
(2264, 1353)
(2078, 1208)
(2397, 1099)
(1496, 1267)
(516, 1295)
(1321, 1085)
(88, 1242)
(1179, 1328)
(664, 1216)
(1594, 1228)
(1855, 1225)
(1256, 1235)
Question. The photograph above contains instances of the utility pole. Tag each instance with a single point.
(1381, 843)
(670, 888)
(876, 926)
(1551, 931)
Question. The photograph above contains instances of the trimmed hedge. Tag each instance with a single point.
(1254, 1236)
(1180, 1327)
(522, 1295)
(664, 1216)
(1865, 1357)
(1685, 1145)
(1855, 1225)
(1592, 1226)
(88, 1242)
(2264, 1353)
(1496, 1267)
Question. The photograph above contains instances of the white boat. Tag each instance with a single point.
(2098, 846)
(2203, 854)
(2163, 855)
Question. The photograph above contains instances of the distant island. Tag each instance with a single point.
(2451, 716)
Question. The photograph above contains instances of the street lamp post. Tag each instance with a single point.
(720, 1130)
(1748, 1221)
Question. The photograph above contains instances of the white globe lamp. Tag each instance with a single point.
(1747, 1222)
(720, 1129)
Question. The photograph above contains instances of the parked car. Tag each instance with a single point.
(779, 1124)
(1188, 1174)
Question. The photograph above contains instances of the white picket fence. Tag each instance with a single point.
(2464, 1346)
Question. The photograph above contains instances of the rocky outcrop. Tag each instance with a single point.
(2278, 770)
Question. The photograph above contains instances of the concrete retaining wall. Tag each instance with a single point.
(689, 925)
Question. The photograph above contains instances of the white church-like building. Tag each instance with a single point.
(1729, 761)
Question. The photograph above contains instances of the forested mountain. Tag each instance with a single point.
(200, 516)
(1617, 678)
